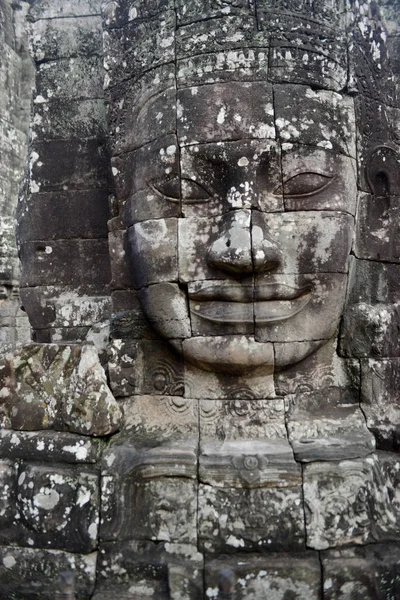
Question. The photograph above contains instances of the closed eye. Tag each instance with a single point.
(174, 188)
(303, 185)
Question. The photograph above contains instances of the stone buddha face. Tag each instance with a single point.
(241, 222)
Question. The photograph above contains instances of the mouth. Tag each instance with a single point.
(264, 304)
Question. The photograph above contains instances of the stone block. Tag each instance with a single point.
(245, 64)
(167, 571)
(191, 11)
(148, 179)
(323, 369)
(378, 228)
(297, 54)
(48, 446)
(150, 494)
(52, 39)
(318, 179)
(8, 479)
(138, 46)
(362, 573)
(70, 78)
(127, 318)
(120, 260)
(242, 419)
(65, 263)
(31, 573)
(380, 400)
(248, 464)
(219, 112)
(131, 11)
(68, 165)
(142, 111)
(220, 177)
(145, 367)
(315, 309)
(352, 501)
(51, 9)
(329, 433)
(273, 575)
(63, 306)
(166, 310)
(321, 118)
(150, 266)
(59, 507)
(208, 385)
(66, 119)
(370, 331)
(60, 387)
(250, 520)
(155, 420)
(318, 241)
(64, 215)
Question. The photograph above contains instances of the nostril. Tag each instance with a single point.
(228, 243)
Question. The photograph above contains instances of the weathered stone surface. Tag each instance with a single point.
(257, 384)
(155, 420)
(56, 38)
(50, 9)
(54, 215)
(243, 419)
(380, 399)
(167, 571)
(313, 313)
(132, 105)
(67, 118)
(243, 64)
(319, 118)
(370, 330)
(362, 573)
(138, 46)
(225, 111)
(70, 78)
(57, 387)
(145, 367)
(58, 507)
(120, 260)
(127, 318)
(377, 232)
(49, 447)
(65, 262)
(348, 502)
(162, 478)
(62, 165)
(248, 464)
(63, 306)
(166, 310)
(30, 572)
(233, 519)
(160, 233)
(297, 53)
(334, 433)
(323, 369)
(280, 576)
(317, 179)
(244, 174)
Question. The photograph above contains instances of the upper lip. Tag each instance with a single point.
(264, 303)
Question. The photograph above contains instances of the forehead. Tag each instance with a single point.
(259, 110)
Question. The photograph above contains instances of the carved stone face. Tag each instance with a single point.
(242, 223)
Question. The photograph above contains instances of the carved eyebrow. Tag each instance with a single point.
(304, 184)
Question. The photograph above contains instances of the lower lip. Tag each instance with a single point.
(261, 311)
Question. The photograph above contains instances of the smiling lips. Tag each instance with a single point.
(265, 304)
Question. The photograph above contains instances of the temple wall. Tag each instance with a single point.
(63, 213)
(16, 76)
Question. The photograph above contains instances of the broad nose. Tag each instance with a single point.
(241, 247)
